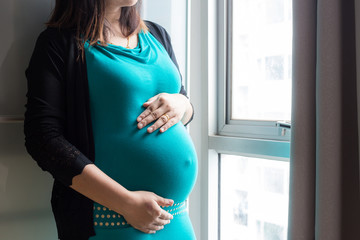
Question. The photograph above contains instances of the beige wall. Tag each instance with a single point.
(25, 190)
(20, 23)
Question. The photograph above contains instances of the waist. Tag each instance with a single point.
(107, 218)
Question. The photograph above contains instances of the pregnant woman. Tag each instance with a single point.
(106, 116)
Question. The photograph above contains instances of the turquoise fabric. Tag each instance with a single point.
(120, 81)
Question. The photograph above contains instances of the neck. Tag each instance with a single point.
(112, 12)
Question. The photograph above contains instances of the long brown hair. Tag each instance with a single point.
(87, 18)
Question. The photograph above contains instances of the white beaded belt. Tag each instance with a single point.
(107, 218)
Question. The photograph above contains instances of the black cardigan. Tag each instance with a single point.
(57, 126)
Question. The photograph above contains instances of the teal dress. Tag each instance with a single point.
(120, 81)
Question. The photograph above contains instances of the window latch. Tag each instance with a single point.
(284, 125)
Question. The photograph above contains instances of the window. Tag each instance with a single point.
(253, 198)
(252, 142)
(256, 81)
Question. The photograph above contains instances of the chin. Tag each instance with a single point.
(130, 3)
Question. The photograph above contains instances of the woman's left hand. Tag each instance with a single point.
(165, 109)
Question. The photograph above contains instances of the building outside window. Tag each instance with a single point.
(254, 99)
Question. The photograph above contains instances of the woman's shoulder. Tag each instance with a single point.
(153, 25)
(157, 29)
(56, 36)
(159, 33)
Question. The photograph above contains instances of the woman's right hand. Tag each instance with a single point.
(140, 209)
(144, 213)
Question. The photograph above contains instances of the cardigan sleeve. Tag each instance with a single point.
(163, 37)
(45, 114)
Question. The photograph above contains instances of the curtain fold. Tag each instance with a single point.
(324, 167)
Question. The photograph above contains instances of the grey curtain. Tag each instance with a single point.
(324, 166)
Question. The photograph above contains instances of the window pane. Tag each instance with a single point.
(261, 59)
(254, 197)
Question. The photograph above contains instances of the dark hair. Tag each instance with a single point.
(87, 18)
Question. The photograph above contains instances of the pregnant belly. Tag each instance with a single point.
(163, 163)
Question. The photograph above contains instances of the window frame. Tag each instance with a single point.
(259, 129)
(248, 138)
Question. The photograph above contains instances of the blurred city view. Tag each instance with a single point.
(261, 59)
(254, 192)
(254, 198)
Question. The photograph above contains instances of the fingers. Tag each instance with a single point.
(169, 124)
(149, 217)
(156, 211)
(164, 201)
(157, 225)
(161, 222)
(166, 216)
(162, 214)
(155, 107)
(165, 121)
(151, 113)
(165, 109)
(160, 117)
(150, 100)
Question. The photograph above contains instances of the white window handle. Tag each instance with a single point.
(284, 125)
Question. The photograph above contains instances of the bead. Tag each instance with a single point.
(175, 209)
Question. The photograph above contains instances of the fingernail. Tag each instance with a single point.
(139, 119)
(140, 125)
(162, 129)
(150, 129)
